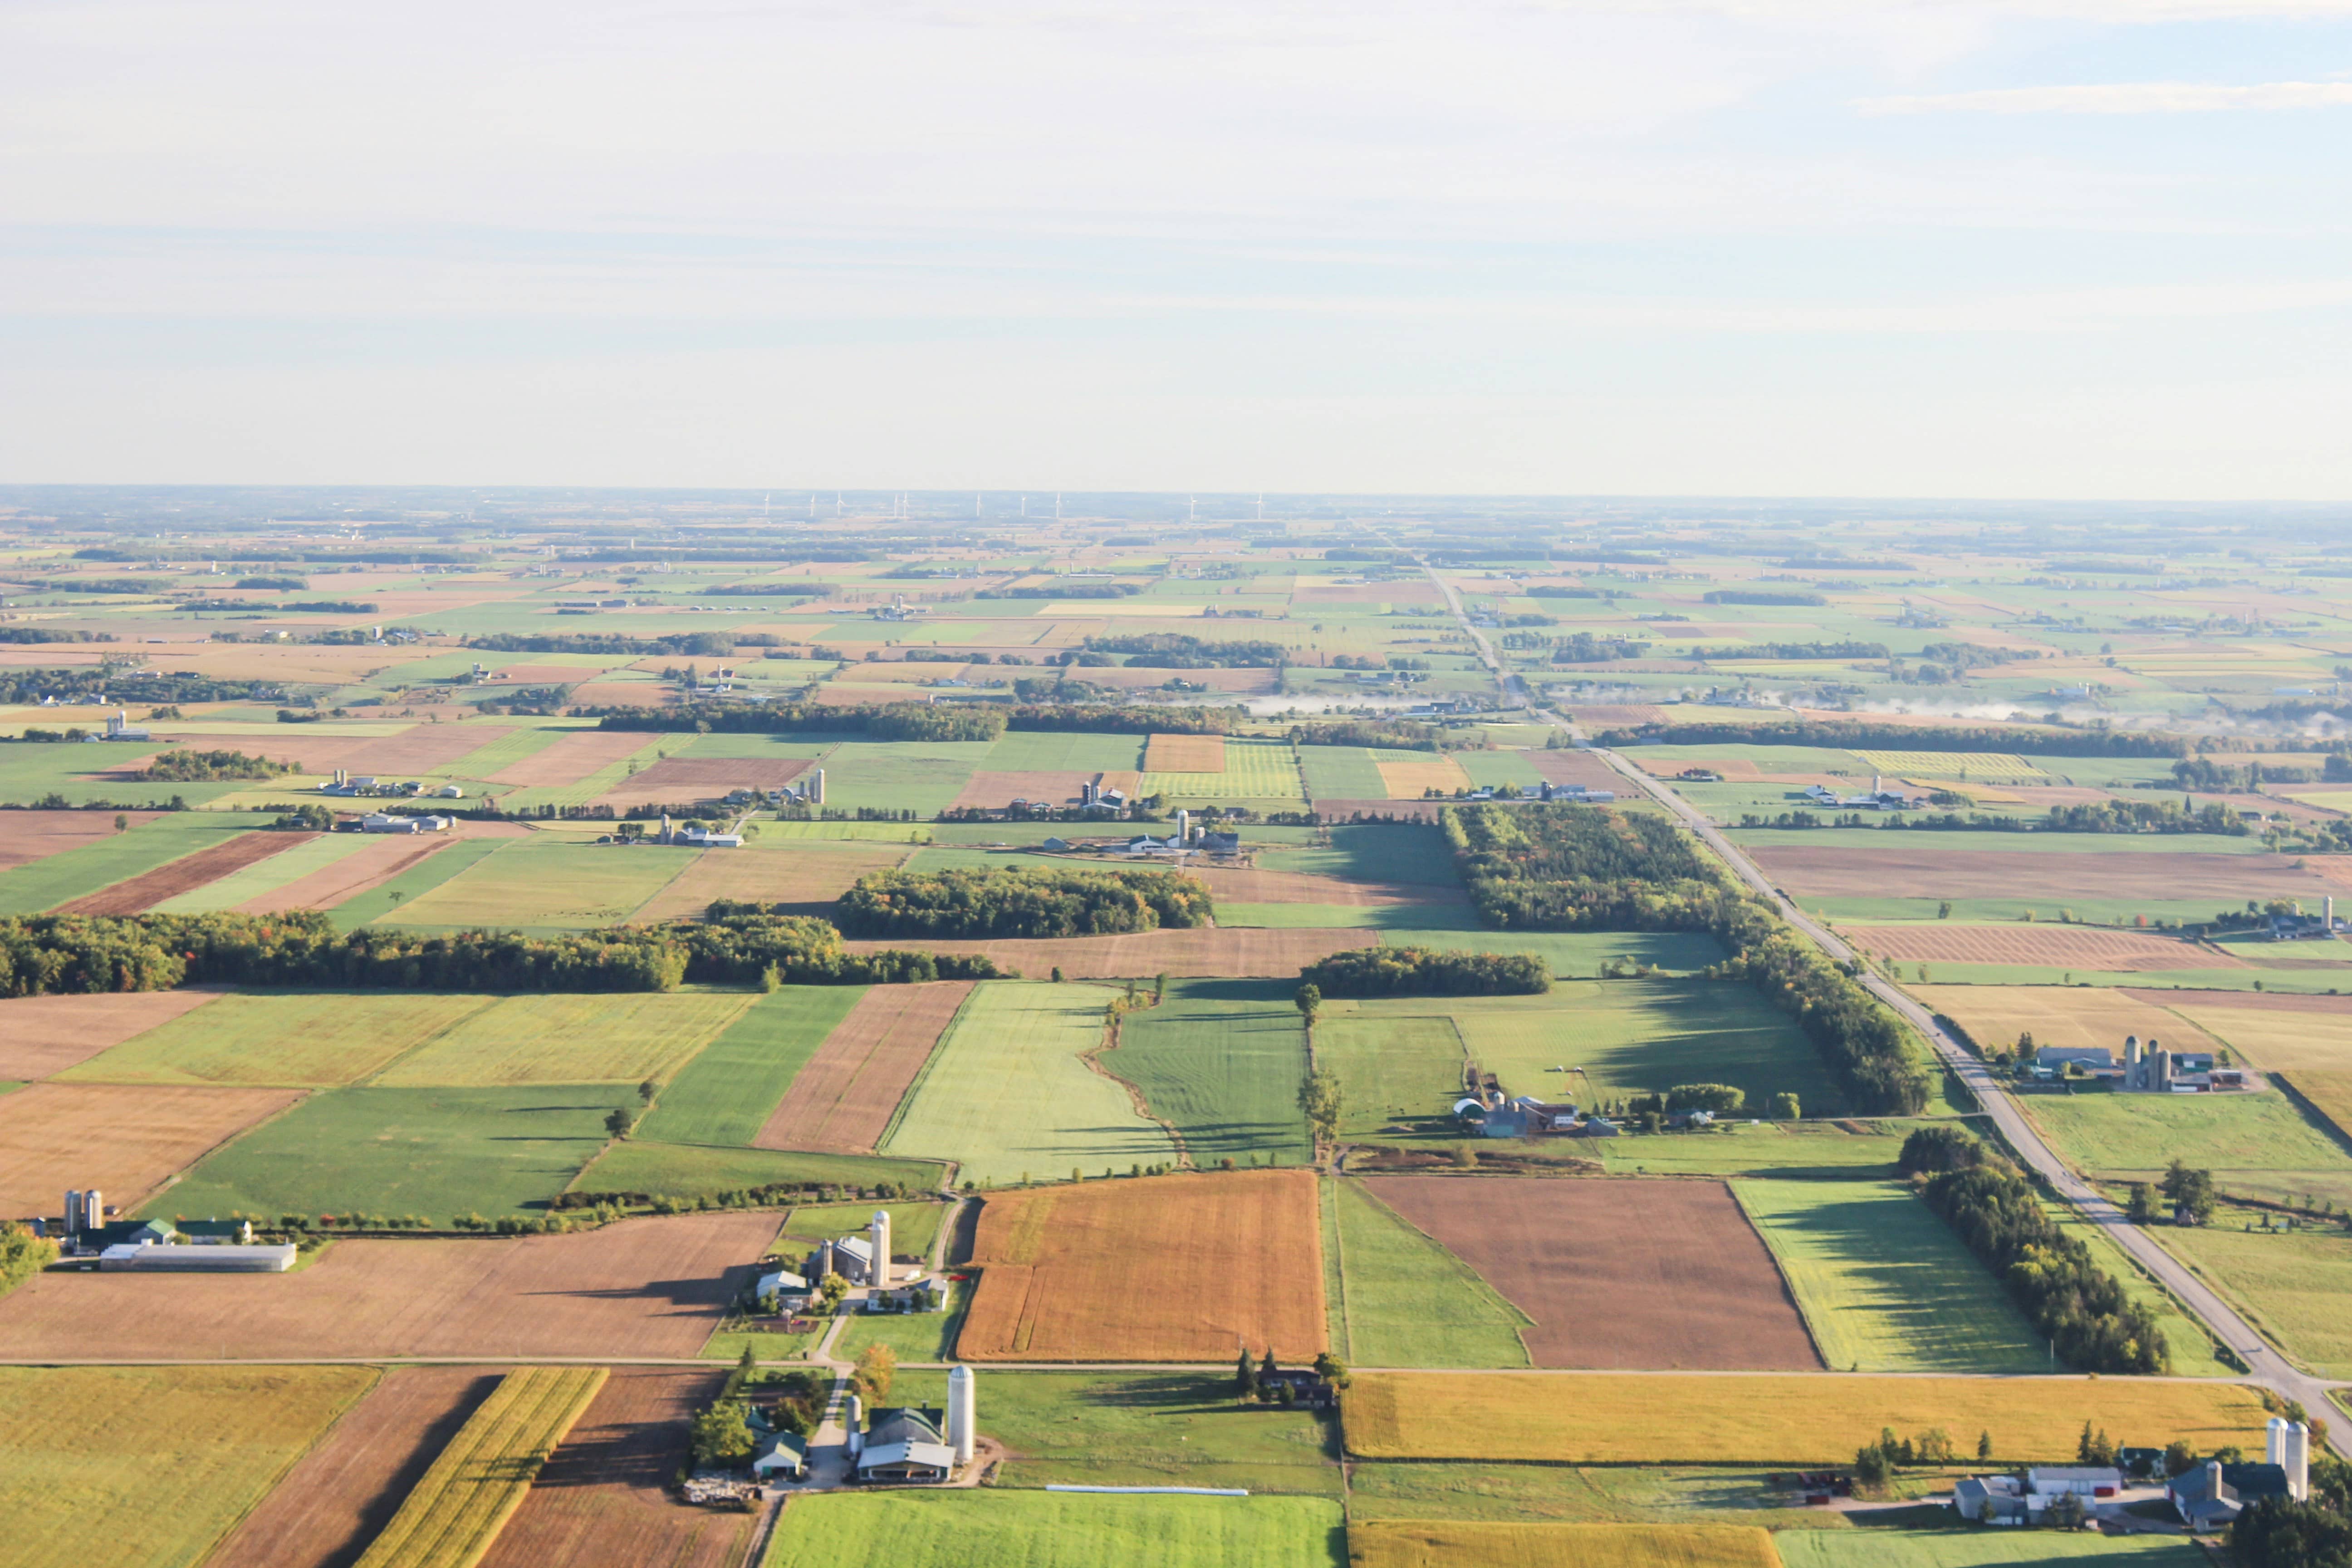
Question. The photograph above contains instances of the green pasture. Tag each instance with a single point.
(1884, 1284)
(1579, 1494)
(386, 897)
(1370, 852)
(570, 1038)
(913, 1226)
(62, 877)
(2126, 1136)
(544, 884)
(1963, 1548)
(1347, 916)
(955, 857)
(1396, 1298)
(305, 1039)
(1007, 1097)
(1223, 1060)
(1254, 770)
(1493, 769)
(1787, 1150)
(1063, 750)
(1914, 840)
(699, 1170)
(439, 1153)
(2190, 1342)
(2293, 1285)
(724, 1095)
(1572, 954)
(922, 776)
(991, 1528)
(911, 1336)
(1400, 1073)
(33, 772)
(1341, 772)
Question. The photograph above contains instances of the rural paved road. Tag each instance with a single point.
(2268, 1366)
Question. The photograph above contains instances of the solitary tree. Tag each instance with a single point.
(1310, 1001)
(720, 1435)
(878, 1367)
(1245, 1374)
(1984, 1444)
(620, 1120)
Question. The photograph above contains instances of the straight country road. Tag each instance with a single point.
(2268, 1366)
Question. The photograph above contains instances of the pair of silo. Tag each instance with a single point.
(84, 1211)
(2287, 1444)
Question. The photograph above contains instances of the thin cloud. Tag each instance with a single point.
(2120, 97)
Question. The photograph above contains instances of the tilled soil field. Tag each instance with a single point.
(814, 879)
(379, 863)
(843, 1099)
(574, 757)
(122, 1141)
(1178, 1269)
(603, 1500)
(709, 778)
(1200, 954)
(184, 875)
(643, 1287)
(343, 1491)
(1567, 766)
(994, 791)
(1911, 871)
(1656, 1275)
(43, 1034)
(2056, 946)
(37, 835)
(1184, 754)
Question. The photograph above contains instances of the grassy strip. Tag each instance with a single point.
(75, 873)
(725, 1093)
(1411, 1302)
(421, 878)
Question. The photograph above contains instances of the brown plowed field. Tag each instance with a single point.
(184, 875)
(1247, 886)
(574, 757)
(2057, 946)
(602, 1501)
(997, 790)
(620, 694)
(1184, 754)
(1331, 809)
(1165, 1269)
(29, 835)
(648, 1288)
(122, 1141)
(1912, 871)
(343, 1491)
(698, 778)
(2236, 1001)
(42, 1034)
(1620, 1273)
(384, 858)
(842, 1098)
(1200, 954)
(811, 877)
(1567, 766)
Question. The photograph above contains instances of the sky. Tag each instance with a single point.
(2038, 248)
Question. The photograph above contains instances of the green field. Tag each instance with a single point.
(1980, 1549)
(1402, 1300)
(1006, 1097)
(584, 1037)
(913, 1226)
(1063, 750)
(1254, 770)
(1223, 1060)
(438, 1153)
(1038, 1529)
(2259, 1144)
(309, 1039)
(1400, 1074)
(1575, 954)
(63, 878)
(1779, 1148)
(149, 1466)
(542, 883)
(699, 1170)
(912, 1336)
(725, 1094)
(267, 875)
(1366, 852)
(2295, 1285)
(922, 776)
(443, 865)
(1576, 1494)
(1884, 1284)
(1494, 769)
(1413, 918)
(1341, 773)
(2190, 1342)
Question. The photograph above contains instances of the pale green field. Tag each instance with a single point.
(1980, 1549)
(1254, 770)
(1006, 1097)
(581, 1038)
(1054, 1529)
(2295, 1285)
(1394, 1071)
(545, 883)
(1395, 1297)
(309, 1040)
(267, 875)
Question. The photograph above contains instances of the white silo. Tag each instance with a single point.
(816, 787)
(93, 1208)
(879, 1231)
(961, 1414)
(73, 1211)
(2274, 1441)
(853, 1421)
(2298, 1463)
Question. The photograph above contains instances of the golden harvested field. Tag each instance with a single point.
(122, 1141)
(1179, 1268)
(810, 876)
(1969, 767)
(307, 1040)
(2055, 946)
(1184, 754)
(2330, 1093)
(583, 1038)
(42, 1034)
(2304, 1039)
(464, 1500)
(1461, 1543)
(1196, 953)
(1411, 780)
(1994, 1016)
(1626, 1418)
(149, 1467)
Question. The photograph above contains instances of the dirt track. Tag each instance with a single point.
(1182, 954)
(1661, 1276)
(44, 1035)
(844, 1098)
(184, 875)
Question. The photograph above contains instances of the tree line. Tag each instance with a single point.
(915, 721)
(1424, 971)
(182, 766)
(1022, 901)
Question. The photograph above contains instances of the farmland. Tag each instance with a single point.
(545, 884)
(1222, 1060)
(1040, 1530)
(568, 1039)
(1630, 1273)
(44, 1035)
(789, 873)
(1199, 951)
(2329, 1094)
(724, 1094)
(851, 1086)
(2257, 1143)
(1402, 1543)
(1610, 1418)
(2272, 1036)
(1884, 1283)
(311, 1039)
(1979, 1549)
(170, 882)
(2293, 1285)
(182, 1451)
(1398, 1298)
(701, 1170)
(2049, 946)
(1249, 771)
(463, 1500)
(99, 863)
(1159, 1268)
(1399, 1072)
(1995, 1015)
(1007, 1095)
(125, 1141)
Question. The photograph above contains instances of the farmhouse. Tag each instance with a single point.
(779, 1455)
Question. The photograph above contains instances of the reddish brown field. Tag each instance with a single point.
(1249, 885)
(122, 1141)
(1186, 954)
(811, 878)
(1331, 809)
(422, 748)
(574, 757)
(1054, 786)
(343, 1491)
(1184, 754)
(383, 859)
(2235, 1001)
(844, 1098)
(2072, 947)
(1175, 1269)
(33, 836)
(642, 1289)
(602, 1501)
(1904, 871)
(1574, 767)
(1656, 1275)
(42, 1034)
(694, 778)
(184, 875)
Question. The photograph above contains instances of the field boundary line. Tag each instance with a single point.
(1781, 1267)
(489, 1001)
(2308, 1106)
(922, 1074)
(278, 1479)
(1477, 1280)
(631, 917)
(1112, 1038)
(173, 1179)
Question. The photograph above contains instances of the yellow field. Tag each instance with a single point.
(623, 1038)
(2330, 1094)
(149, 1467)
(1974, 767)
(307, 1040)
(1411, 780)
(1248, 770)
(1449, 1543)
(1184, 754)
(1765, 1419)
(2297, 1041)
(463, 1501)
(1994, 1016)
